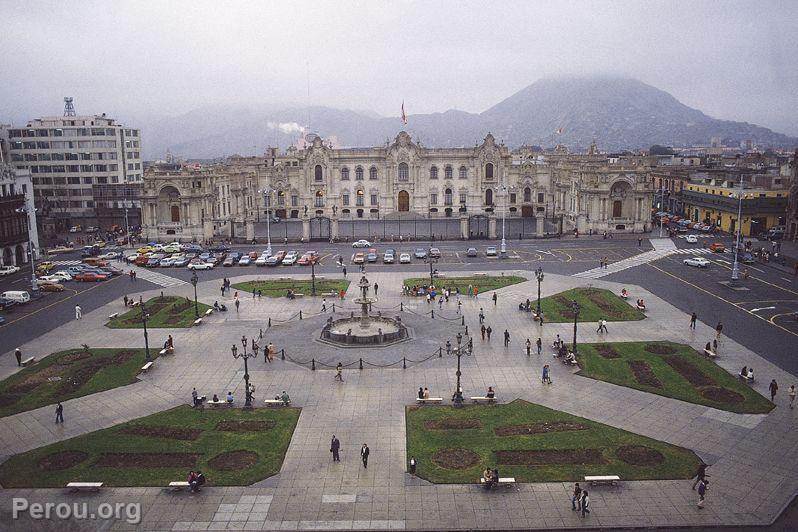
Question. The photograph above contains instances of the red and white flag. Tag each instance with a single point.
(404, 116)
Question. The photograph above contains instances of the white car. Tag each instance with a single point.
(168, 262)
(109, 255)
(691, 239)
(404, 258)
(171, 248)
(8, 270)
(290, 258)
(45, 279)
(361, 244)
(244, 261)
(698, 262)
(490, 251)
(200, 265)
(63, 275)
(261, 261)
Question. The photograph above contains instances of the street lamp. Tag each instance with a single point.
(460, 350)
(539, 277)
(267, 201)
(34, 286)
(735, 276)
(144, 317)
(429, 259)
(246, 356)
(194, 281)
(503, 249)
(575, 308)
(313, 275)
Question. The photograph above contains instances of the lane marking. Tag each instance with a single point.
(788, 280)
(762, 308)
(765, 282)
(757, 269)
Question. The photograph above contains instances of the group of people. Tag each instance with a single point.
(195, 480)
(580, 500)
(491, 477)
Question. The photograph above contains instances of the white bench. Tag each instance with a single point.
(642, 309)
(429, 400)
(146, 366)
(503, 481)
(746, 378)
(198, 321)
(220, 402)
(483, 399)
(209, 312)
(710, 354)
(179, 485)
(299, 295)
(113, 316)
(276, 402)
(602, 479)
(28, 361)
(135, 304)
(77, 486)
(328, 294)
(624, 296)
(167, 351)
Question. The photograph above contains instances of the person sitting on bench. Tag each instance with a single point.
(708, 347)
(215, 398)
(220, 308)
(284, 398)
(491, 394)
(420, 393)
(229, 397)
(624, 293)
(290, 294)
(570, 358)
(640, 303)
(488, 476)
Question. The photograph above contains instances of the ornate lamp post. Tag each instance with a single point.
(144, 317)
(267, 197)
(194, 281)
(539, 277)
(246, 356)
(735, 275)
(430, 260)
(459, 351)
(313, 275)
(575, 308)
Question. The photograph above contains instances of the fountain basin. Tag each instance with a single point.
(375, 331)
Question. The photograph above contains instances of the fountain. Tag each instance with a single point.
(366, 329)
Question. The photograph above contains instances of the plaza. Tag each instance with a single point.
(751, 481)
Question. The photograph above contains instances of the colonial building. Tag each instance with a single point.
(586, 192)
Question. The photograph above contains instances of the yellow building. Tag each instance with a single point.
(718, 205)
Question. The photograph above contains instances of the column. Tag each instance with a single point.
(305, 228)
(540, 222)
(463, 226)
(492, 226)
(334, 226)
(250, 229)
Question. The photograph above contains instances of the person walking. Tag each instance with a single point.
(693, 319)
(702, 491)
(413, 466)
(718, 330)
(343, 270)
(364, 455)
(639, 242)
(506, 338)
(376, 288)
(773, 387)
(495, 298)
(528, 347)
(482, 331)
(488, 331)
(342, 293)
(222, 289)
(791, 394)
(440, 303)
(539, 344)
(335, 446)
(585, 503)
(540, 318)
(124, 299)
(18, 355)
(599, 330)
(339, 372)
(546, 379)
(481, 316)
(238, 302)
(576, 503)
(59, 413)
(701, 475)
(78, 312)
(324, 304)
(604, 325)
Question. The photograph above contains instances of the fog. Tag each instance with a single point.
(731, 59)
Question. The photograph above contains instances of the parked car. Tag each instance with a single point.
(8, 270)
(308, 258)
(290, 258)
(746, 257)
(361, 244)
(229, 261)
(111, 270)
(18, 296)
(435, 253)
(141, 260)
(698, 262)
(389, 256)
(45, 279)
(404, 258)
(45, 266)
(245, 261)
(90, 229)
(691, 239)
(167, 262)
(63, 275)
(6, 304)
(358, 258)
(51, 287)
(420, 253)
(75, 229)
(152, 263)
(2, 320)
(180, 262)
(471, 252)
(490, 251)
(219, 248)
(717, 247)
(199, 265)
(60, 249)
(372, 256)
(263, 260)
(90, 277)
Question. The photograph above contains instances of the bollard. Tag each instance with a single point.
(466, 331)
(440, 352)
(333, 307)
(270, 322)
(432, 314)
(462, 320)
(404, 363)
(313, 364)
(361, 363)
(401, 307)
(351, 315)
(300, 314)
(283, 353)
(260, 334)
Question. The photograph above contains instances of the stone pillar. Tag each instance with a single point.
(305, 228)
(540, 223)
(334, 226)
(581, 223)
(492, 226)
(207, 230)
(250, 228)
(464, 226)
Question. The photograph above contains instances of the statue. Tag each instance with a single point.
(306, 210)
(335, 209)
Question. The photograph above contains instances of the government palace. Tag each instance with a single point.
(401, 179)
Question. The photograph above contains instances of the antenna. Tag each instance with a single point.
(69, 109)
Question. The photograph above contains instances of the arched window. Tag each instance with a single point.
(489, 197)
(404, 172)
(447, 172)
(359, 173)
(463, 174)
(318, 176)
(319, 197)
(433, 172)
(527, 195)
(344, 174)
(359, 198)
(489, 171)
(447, 197)
(175, 211)
(373, 172)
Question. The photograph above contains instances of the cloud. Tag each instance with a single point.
(286, 127)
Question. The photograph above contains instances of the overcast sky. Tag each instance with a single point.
(731, 59)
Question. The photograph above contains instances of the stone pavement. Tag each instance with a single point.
(753, 470)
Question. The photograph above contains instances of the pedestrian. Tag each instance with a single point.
(791, 394)
(539, 343)
(599, 330)
(714, 346)
(540, 318)
(604, 325)
(254, 294)
(270, 351)
(639, 242)
(701, 476)
(335, 446)
(470, 290)
(528, 347)
(481, 316)
(585, 503)
(194, 397)
(506, 338)
(413, 466)
(324, 304)
(546, 379)
(339, 372)
(576, 503)
(702, 490)
(125, 300)
(429, 298)
(773, 387)
(223, 287)
(237, 304)
(364, 454)
(488, 331)
(260, 294)
(341, 293)
(718, 330)
(459, 305)
(482, 330)
(344, 270)
(18, 354)
(59, 413)
(376, 288)
(78, 312)
(495, 297)
(693, 319)
(476, 293)
(440, 303)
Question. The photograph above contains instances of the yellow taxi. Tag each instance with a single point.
(45, 266)
(145, 249)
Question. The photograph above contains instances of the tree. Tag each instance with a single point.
(656, 149)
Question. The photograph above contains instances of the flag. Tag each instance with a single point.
(559, 131)
(404, 116)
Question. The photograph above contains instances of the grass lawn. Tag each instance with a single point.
(165, 312)
(279, 287)
(158, 449)
(484, 283)
(594, 303)
(74, 373)
(571, 448)
(689, 376)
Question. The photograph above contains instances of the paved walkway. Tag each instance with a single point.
(753, 470)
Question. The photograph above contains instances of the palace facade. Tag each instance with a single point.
(585, 192)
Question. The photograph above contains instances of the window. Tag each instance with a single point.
(294, 200)
(463, 197)
(527, 195)
(344, 174)
(404, 172)
(433, 172)
(540, 197)
(373, 173)
(317, 172)
(280, 198)
(489, 197)
(359, 173)
(345, 199)
(447, 172)
(374, 199)
(489, 171)
(513, 197)
(319, 195)
(447, 196)
(463, 173)
(359, 198)
(433, 199)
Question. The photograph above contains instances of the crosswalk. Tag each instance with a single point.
(67, 262)
(698, 235)
(663, 247)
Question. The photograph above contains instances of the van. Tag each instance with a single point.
(18, 296)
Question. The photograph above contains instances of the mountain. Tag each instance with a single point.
(618, 113)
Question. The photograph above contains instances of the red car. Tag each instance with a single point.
(717, 247)
(90, 276)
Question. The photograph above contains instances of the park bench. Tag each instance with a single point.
(298, 295)
(209, 312)
(710, 353)
(507, 482)
(276, 402)
(200, 400)
(429, 400)
(642, 309)
(623, 296)
(747, 378)
(28, 361)
(220, 402)
(167, 351)
(480, 275)
(77, 486)
(602, 479)
(135, 304)
(179, 485)
(113, 316)
(483, 399)
(146, 366)
(198, 321)
(328, 294)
